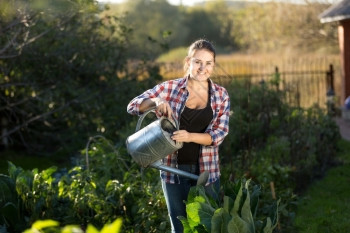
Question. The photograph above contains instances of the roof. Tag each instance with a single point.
(337, 12)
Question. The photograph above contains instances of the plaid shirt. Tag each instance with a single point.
(176, 93)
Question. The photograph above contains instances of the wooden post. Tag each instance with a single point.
(330, 75)
(272, 187)
(277, 78)
(330, 92)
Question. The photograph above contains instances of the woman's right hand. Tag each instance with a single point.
(163, 107)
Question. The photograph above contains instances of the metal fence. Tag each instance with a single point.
(305, 81)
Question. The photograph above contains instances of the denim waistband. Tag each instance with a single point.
(192, 168)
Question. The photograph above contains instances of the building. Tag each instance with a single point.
(340, 11)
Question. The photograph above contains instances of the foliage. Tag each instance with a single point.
(237, 25)
(10, 205)
(206, 25)
(52, 226)
(158, 22)
(63, 73)
(111, 188)
(70, 82)
(264, 127)
(64, 76)
(235, 215)
(274, 26)
(108, 186)
(54, 93)
(276, 144)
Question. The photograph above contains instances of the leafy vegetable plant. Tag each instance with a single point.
(236, 215)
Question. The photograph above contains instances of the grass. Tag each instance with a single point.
(326, 204)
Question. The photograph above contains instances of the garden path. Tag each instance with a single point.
(344, 127)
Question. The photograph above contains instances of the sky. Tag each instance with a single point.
(192, 2)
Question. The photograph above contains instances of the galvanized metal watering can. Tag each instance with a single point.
(153, 142)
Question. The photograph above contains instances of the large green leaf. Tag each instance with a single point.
(24, 182)
(72, 229)
(268, 226)
(238, 225)
(235, 209)
(220, 220)
(113, 227)
(271, 222)
(41, 224)
(185, 224)
(13, 170)
(197, 194)
(91, 229)
(200, 213)
(254, 197)
(7, 189)
(10, 212)
(228, 204)
(246, 212)
(47, 173)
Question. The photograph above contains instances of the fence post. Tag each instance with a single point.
(277, 78)
(330, 93)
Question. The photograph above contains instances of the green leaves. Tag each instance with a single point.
(238, 225)
(220, 220)
(51, 226)
(41, 224)
(73, 79)
(235, 216)
(10, 209)
(199, 212)
(111, 188)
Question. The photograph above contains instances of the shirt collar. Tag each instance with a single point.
(183, 83)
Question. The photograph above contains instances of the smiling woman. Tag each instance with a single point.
(202, 109)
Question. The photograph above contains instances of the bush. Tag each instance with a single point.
(276, 144)
(111, 188)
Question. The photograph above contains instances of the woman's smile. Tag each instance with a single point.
(201, 65)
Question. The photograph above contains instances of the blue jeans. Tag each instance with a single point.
(176, 194)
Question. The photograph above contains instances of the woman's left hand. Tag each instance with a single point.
(181, 136)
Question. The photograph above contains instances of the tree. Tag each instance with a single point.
(201, 24)
(221, 13)
(272, 27)
(156, 22)
(59, 73)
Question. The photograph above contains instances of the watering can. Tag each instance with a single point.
(153, 142)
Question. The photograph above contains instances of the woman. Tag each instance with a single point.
(202, 109)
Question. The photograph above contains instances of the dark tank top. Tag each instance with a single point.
(194, 121)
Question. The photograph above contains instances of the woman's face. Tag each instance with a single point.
(201, 65)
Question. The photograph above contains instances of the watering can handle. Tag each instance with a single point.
(139, 122)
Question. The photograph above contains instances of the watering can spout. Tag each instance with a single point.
(201, 179)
